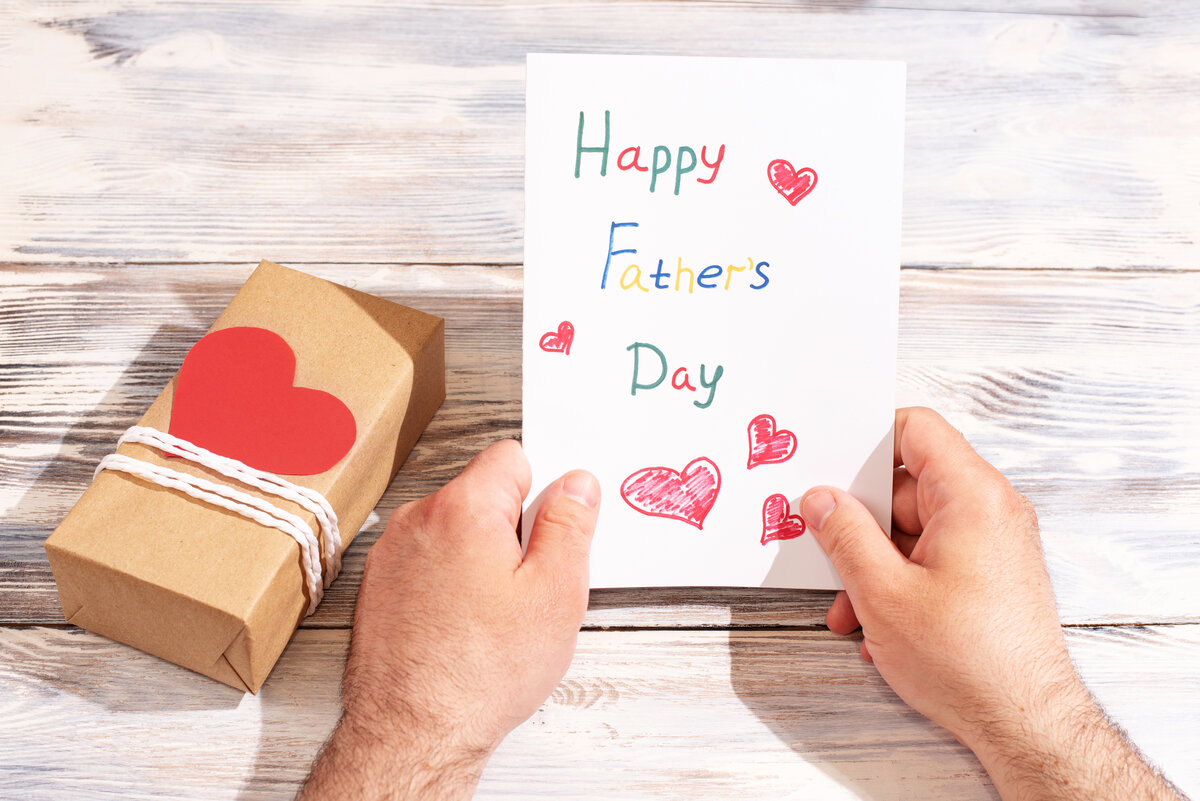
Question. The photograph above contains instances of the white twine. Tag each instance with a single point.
(234, 500)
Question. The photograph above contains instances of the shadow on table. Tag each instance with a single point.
(93, 668)
(299, 706)
(62, 478)
(114, 676)
(296, 709)
(813, 691)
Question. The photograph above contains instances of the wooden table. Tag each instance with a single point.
(152, 152)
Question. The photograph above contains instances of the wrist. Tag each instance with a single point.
(364, 759)
(1060, 746)
(420, 757)
(1032, 729)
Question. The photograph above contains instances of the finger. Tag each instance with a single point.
(560, 539)
(489, 490)
(939, 458)
(905, 543)
(841, 618)
(861, 553)
(924, 436)
(905, 517)
(865, 652)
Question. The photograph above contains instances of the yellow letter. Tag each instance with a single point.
(729, 275)
(679, 271)
(637, 278)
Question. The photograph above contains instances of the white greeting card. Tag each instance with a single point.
(711, 284)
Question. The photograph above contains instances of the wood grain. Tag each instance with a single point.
(151, 152)
(1040, 134)
(745, 714)
(1080, 386)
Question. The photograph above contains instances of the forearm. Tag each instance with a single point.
(358, 763)
(1064, 748)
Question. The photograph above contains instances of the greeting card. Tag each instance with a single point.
(711, 284)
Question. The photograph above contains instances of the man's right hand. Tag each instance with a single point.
(958, 615)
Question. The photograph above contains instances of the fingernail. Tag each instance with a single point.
(582, 486)
(817, 508)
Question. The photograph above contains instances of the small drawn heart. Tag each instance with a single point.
(778, 522)
(793, 184)
(768, 446)
(558, 341)
(686, 495)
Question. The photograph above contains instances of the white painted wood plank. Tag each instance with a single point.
(744, 714)
(1050, 134)
(1082, 387)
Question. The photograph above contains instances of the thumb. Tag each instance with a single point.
(560, 539)
(861, 553)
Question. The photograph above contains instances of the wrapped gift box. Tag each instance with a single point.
(211, 589)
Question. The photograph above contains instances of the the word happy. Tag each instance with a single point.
(631, 160)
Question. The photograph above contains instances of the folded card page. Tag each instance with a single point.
(711, 284)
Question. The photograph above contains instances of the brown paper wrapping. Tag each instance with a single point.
(209, 589)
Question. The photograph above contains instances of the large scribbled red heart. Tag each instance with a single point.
(234, 396)
(793, 184)
(768, 446)
(778, 522)
(558, 341)
(686, 495)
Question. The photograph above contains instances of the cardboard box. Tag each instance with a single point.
(210, 589)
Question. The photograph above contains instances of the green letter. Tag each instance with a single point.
(662, 366)
(679, 168)
(655, 169)
(580, 149)
(712, 388)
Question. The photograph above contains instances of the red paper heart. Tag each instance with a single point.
(778, 523)
(686, 495)
(234, 396)
(558, 341)
(768, 446)
(793, 184)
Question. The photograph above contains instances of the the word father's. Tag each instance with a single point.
(684, 158)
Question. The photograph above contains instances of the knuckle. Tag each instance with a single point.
(925, 414)
(402, 515)
(845, 549)
(926, 417)
(561, 516)
(1028, 510)
(441, 504)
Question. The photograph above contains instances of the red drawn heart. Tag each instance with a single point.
(768, 446)
(558, 341)
(686, 495)
(234, 396)
(778, 523)
(793, 184)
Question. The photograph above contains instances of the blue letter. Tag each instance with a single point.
(711, 271)
(661, 273)
(612, 230)
(758, 268)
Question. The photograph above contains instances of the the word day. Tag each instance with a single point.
(685, 159)
(711, 276)
(644, 377)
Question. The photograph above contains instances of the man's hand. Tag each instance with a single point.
(958, 615)
(457, 639)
